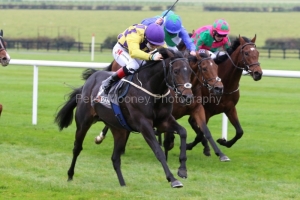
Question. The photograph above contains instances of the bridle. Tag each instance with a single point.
(169, 75)
(205, 82)
(2, 46)
(246, 66)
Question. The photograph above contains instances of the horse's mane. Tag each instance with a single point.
(166, 52)
(194, 58)
(235, 44)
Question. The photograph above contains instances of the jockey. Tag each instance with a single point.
(174, 31)
(134, 46)
(212, 37)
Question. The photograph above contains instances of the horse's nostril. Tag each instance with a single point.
(218, 90)
(188, 99)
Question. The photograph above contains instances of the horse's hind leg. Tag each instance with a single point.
(199, 138)
(168, 142)
(120, 140)
(99, 138)
(233, 118)
(83, 123)
(200, 120)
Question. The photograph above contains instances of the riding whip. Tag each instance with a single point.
(170, 9)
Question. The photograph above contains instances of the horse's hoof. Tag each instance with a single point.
(176, 184)
(206, 152)
(224, 159)
(99, 139)
(222, 141)
(189, 146)
(182, 173)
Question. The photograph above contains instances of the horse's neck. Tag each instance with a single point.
(229, 74)
(152, 79)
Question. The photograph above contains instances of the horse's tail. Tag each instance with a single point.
(1, 109)
(64, 117)
(87, 73)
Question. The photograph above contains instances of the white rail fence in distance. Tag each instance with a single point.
(37, 63)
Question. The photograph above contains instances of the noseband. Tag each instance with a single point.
(169, 75)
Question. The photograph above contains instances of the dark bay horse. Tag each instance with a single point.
(205, 78)
(4, 57)
(152, 84)
(242, 55)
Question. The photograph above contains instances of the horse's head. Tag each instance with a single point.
(178, 74)
(247, 57)
(207, 72)
(4, 57)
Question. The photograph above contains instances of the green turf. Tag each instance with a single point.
(82, 24)
(35, 159)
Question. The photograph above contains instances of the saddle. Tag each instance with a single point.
(112, 99)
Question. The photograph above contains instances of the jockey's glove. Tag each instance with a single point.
(156, 56)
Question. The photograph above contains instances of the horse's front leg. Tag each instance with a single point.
(234, 120)
(120, 139)
(149, 134)
(172, 126)
(199, 116)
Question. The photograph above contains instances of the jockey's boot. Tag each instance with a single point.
(107, 83)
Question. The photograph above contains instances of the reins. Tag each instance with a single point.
(173, 85)
(247, 66)
(146, 91)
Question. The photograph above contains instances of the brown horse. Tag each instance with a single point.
(4, 57)
(242, 55)
(151, 84)
(205, 78)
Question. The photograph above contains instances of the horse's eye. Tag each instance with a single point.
(176, 71)
(204, 69)
(246, 53)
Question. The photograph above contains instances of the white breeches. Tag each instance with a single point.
(123, 58)
(213, 55)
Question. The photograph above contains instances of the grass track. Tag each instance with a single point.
(35, 159)
(82, 24)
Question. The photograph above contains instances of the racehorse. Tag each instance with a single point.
(205, 78)
(4, 56)
(152, 83)
(242, 55)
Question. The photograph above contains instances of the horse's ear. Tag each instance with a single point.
(165, 52)
(1, 32)
(253, 39)
(241, 39)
